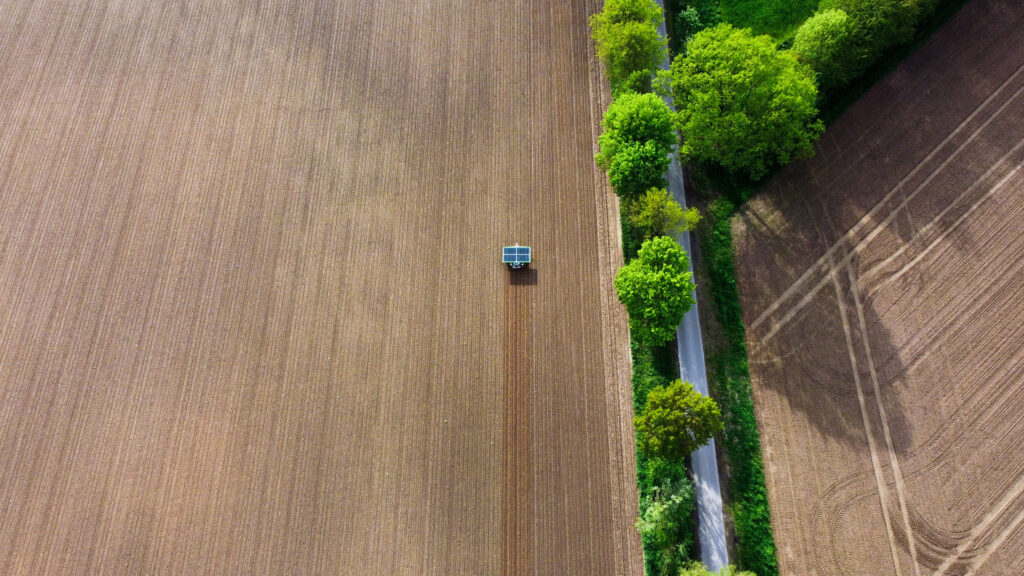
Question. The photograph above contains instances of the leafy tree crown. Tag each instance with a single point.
(676, 421)
(657, 289)
(742, 103)
(635, 118)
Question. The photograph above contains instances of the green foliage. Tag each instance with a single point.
(626, 33)
(775, 17)
(656, 289)
(638, 82)
(635, 118)
(729, 378)
(689, 17)
(638, 167)
(676, 421)
(835, 100)
(657, 214)
(664, 525)
(698, 569)
(870, 29)
(619, 11)
(688, 23)
(743, 104)
(655, 366)
(820, 42)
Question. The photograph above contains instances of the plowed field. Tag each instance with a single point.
(252, 314)
(882, 290)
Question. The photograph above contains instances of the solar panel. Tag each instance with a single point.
(515, 254)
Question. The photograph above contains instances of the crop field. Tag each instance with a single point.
(881, 285)
(252, 314)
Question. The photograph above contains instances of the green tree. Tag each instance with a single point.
(630, 47)
(628, 43)
(872, 27)
(657, 214)
(635, 118)
(619, 11)
(698, 569)
(742, 103)
(638, 167)
(820, 42)
(657, 289)
(676, 421)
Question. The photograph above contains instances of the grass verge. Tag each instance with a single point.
(729, 381)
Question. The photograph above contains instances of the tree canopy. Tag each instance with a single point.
(676, 421)
(657, 289)
(656, 213)
(742, 103)
(635, 118)
(619, 11)
(638, 167)
(626, 33)
(820, 41)
(698, 569)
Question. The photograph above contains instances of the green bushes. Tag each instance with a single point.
(775, 17)
(743, 104)
(626, 33)
(666, 533)
(847, 37)
(820, 42)
(657, 214)
(729, 379)
(664, 524)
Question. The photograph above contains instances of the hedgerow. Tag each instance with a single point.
(729, 380)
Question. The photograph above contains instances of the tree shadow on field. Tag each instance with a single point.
(825, 352)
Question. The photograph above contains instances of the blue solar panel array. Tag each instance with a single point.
(515, 254)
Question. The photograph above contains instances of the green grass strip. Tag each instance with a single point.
(729, 380)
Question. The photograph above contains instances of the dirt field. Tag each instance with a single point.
(252, 315)
(881, 285)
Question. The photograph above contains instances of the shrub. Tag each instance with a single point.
(743, 104)
(657, 290)
(820, 43)
(729, 379)
(664, 526)
(698, 569)
(872, 28)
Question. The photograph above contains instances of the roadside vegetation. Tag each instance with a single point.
(743, 104)
(637, 139)
(748, 78)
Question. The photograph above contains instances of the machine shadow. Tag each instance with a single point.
(522, 277)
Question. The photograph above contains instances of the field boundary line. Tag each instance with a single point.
(872, 449)
(821, 263)
(887, 434)
(1011, 495)
(856, 247)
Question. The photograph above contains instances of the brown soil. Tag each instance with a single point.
(252, 315)
(881, 290)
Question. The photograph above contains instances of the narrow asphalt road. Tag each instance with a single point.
(711, 527)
